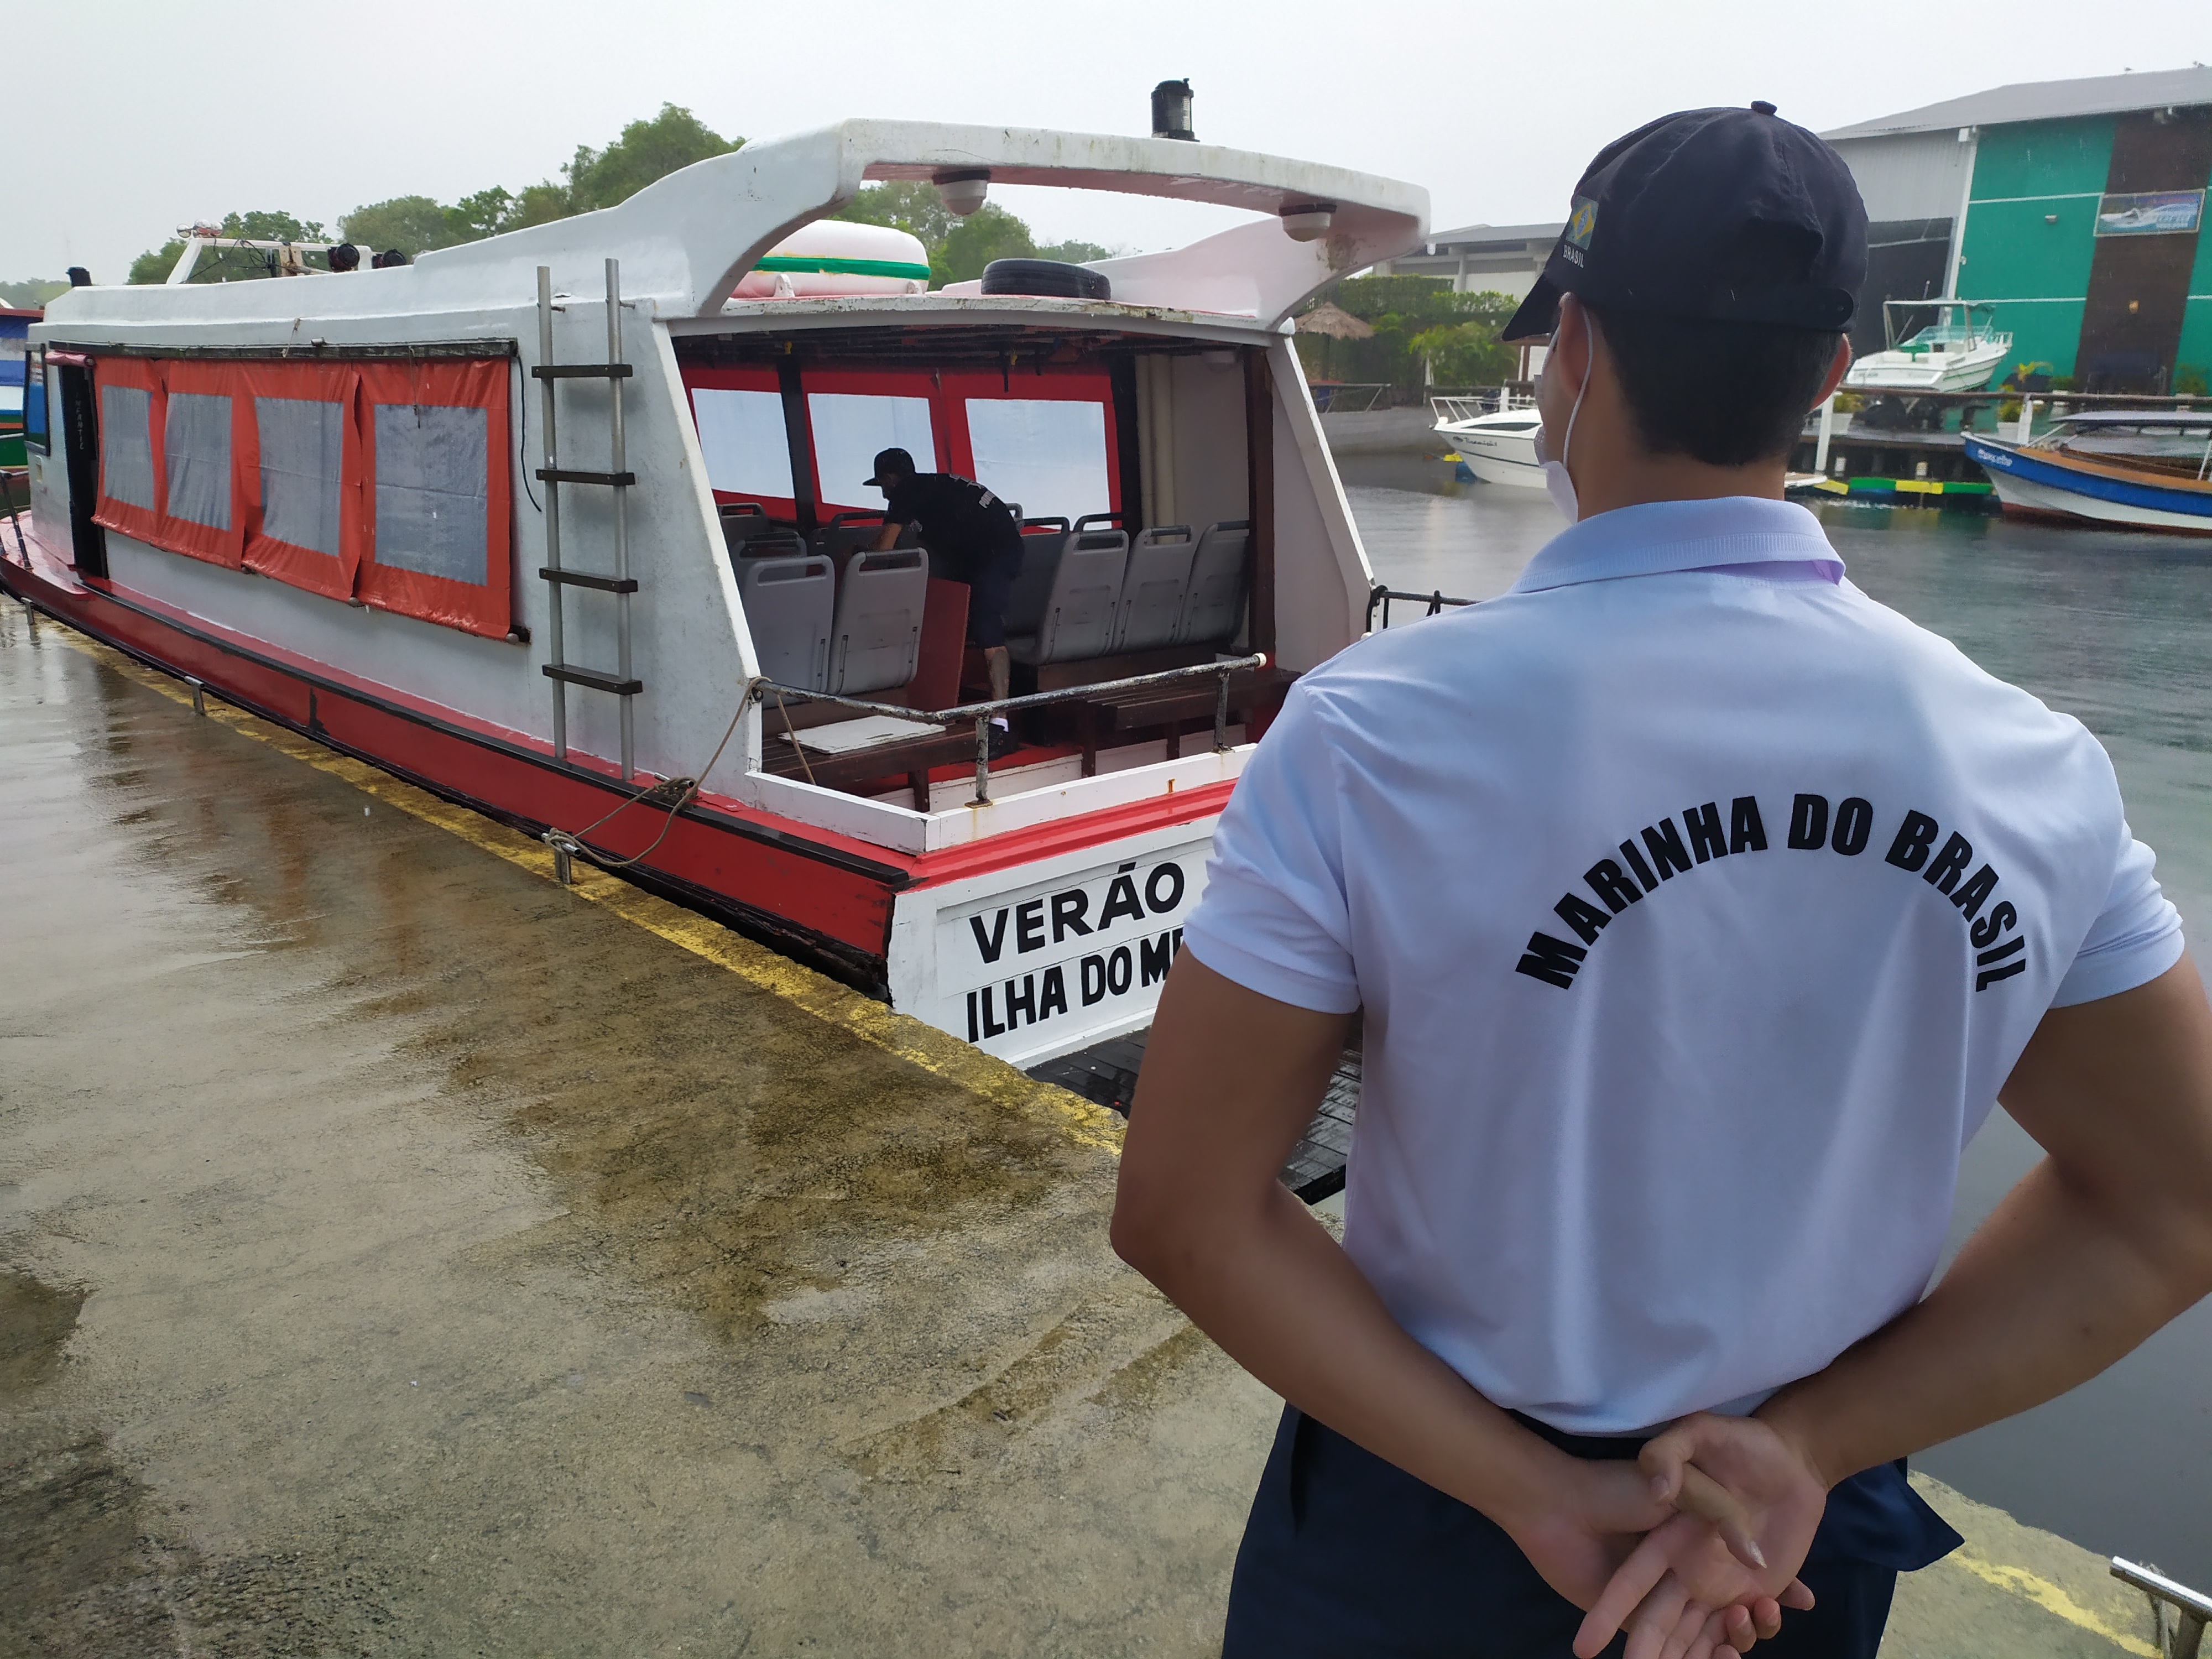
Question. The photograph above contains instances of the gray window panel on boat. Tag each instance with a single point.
(433, 489)
(195, 455)
(1049, 454)
(126, 445)
(743, 437)
(850, 427)
(302, 452)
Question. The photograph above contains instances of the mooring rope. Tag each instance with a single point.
(676, 793)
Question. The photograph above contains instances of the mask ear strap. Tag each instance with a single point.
(1589, 362)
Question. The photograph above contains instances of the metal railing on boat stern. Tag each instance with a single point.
(1380, 597)
(981, 714)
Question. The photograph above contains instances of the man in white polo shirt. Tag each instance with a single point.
(1699, 909)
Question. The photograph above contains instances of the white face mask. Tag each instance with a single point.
(1557, 483)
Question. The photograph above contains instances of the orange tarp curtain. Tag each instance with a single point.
(437, 507)
(305, 522)
(197, 434)
(130, 500)
(386, 480)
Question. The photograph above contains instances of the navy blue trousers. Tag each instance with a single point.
(1348, 1556)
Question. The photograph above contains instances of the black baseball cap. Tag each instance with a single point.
(890, 464)
(1729, 215)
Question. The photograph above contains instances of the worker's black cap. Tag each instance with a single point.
(1731, 214)
(891, 466)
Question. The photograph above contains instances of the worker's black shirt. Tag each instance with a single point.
(966, 526)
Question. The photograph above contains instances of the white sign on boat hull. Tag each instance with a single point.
(1040, 969)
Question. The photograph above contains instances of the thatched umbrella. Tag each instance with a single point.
(1333, 322)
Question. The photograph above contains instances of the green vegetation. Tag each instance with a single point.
(1424, 334)
(645, 151)
(2189, 381)
(231, 265)
(958, 248)
(23, 296)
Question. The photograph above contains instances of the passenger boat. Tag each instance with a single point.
(1961, 351)
(539, 522)
(2145, 469)
(1496, 439)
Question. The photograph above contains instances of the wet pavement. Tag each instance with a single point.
(402, 1255)
(406, 1256)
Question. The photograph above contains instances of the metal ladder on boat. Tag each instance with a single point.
(622, 684)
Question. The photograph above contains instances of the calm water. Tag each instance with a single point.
(2116, 630)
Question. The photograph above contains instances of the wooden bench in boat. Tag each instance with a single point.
(1182, 710)
(912, 756)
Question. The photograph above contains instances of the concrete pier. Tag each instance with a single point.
(401, 1255)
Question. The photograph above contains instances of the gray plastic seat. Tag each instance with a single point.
(875, 642)
(1043, 540)
(1213, 603)
(848, 533)
(789, 602)
(1153, 591)
(1079, 611)
(742, 521)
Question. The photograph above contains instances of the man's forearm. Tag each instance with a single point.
(2046, 1294)
(1228, 1080)
(1279, 1296)
(2101, 1245)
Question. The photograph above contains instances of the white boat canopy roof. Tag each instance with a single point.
(685, 239)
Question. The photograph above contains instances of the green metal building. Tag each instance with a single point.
(2076, 207)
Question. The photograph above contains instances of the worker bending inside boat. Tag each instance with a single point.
(973, 537)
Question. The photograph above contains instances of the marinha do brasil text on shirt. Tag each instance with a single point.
(1665, 852)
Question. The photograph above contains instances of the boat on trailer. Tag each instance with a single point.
(568, 526)
(1961, 350)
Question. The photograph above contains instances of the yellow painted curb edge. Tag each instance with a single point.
(2050, 1597)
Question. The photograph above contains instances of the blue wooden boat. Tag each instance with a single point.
(2142, 468)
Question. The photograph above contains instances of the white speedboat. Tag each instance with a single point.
(1497, 439)
(1959, 351)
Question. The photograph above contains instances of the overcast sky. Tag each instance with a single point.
(130, 117)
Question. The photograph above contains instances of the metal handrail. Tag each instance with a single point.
(982, 713)
(1380, 595)
(2192, 1609)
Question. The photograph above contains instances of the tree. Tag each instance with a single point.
(229, 264)
(910, 204)
(1470, 353)
(486, 213)
(538, 204)
(646, 151)
(1075, 253)
(409, 223)
(958, 249)
(26, 296)
(987, 233)
(1418, 318)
